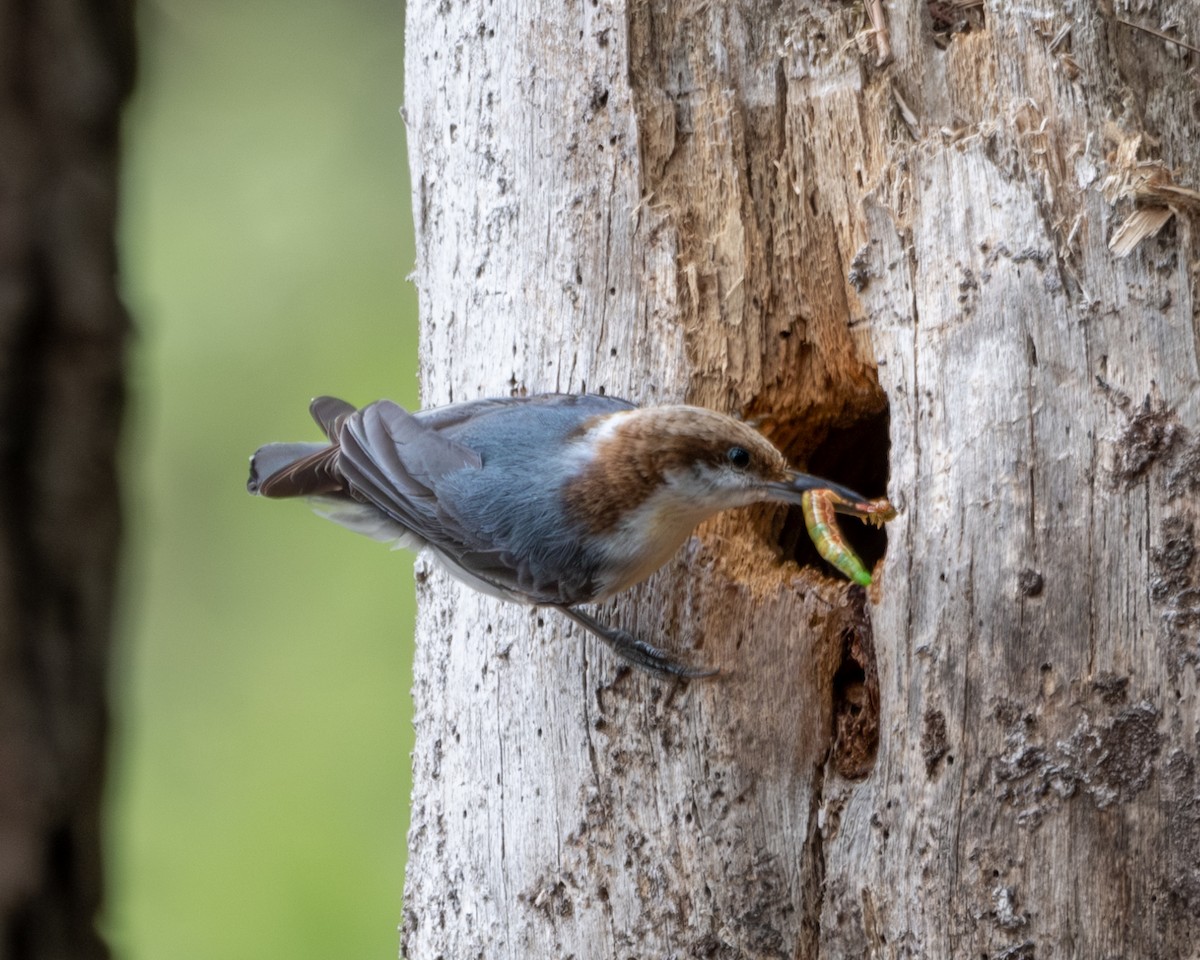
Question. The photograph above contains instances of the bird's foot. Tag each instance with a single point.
(637, 652)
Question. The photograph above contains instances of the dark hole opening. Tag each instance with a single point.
(855, 456)
(855, 690)
(849, 687)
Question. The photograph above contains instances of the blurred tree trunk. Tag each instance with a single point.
(65, 67)
(894, 249)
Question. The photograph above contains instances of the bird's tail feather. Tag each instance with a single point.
(281, 470)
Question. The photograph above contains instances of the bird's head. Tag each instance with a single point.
(664, 469)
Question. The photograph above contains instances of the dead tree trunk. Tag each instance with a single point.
(65, 68)
(924, 257)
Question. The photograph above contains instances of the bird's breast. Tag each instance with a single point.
(645, 537)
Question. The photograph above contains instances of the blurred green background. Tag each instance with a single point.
(257, 803)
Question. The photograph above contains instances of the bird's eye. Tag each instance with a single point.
(738, 457)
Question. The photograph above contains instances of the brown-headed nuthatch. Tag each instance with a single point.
(555, 500)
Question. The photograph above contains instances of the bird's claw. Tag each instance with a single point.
(639, 653)
(820, 509)
(650, 658)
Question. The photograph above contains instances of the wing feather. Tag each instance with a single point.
(330, 413)
(393, 461)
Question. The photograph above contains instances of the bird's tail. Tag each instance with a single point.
(281, 470)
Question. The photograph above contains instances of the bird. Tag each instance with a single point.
(556, 500)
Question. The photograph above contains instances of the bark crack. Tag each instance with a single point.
(912, 521)
(962, 741)
(504, 872)
(814, 867)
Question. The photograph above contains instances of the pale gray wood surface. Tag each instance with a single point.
(736, 205)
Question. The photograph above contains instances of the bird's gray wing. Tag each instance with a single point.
(397, 462)
(393, 461)
(403, 464)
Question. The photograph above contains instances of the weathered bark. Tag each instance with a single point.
(904, 270)
(65, 67)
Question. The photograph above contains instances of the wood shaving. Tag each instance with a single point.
(1151, 186)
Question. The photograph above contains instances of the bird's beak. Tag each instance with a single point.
(794, 487)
